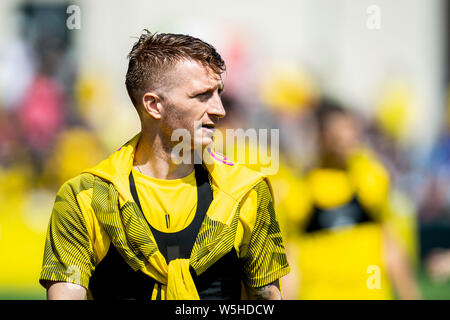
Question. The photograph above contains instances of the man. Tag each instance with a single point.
(143, 225)
(340, 230)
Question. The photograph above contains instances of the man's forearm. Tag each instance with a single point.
(400, 269)
(267, 292)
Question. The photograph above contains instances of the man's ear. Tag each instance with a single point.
(152, 104)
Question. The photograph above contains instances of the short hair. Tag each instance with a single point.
(154, 54)
(327, 108)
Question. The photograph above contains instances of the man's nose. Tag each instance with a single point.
(216, 107)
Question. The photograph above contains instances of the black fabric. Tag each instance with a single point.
(349, 214)
(221, 281)
(113, 278)
(179, 244)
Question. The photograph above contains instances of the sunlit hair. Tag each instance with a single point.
(154, 54)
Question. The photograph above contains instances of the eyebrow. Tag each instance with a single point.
(220, 87)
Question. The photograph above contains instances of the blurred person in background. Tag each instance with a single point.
(437, 265)
(236, 118)
(249, 147)
(37, 73)
(45, 107)
(435, 207)
(289, 91)
(142, 226)
(339, 243)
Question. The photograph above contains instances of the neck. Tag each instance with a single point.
(332, 161)
(153, 158)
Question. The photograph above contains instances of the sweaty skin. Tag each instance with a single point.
(69, 291)
(267, 292)
(65, 291)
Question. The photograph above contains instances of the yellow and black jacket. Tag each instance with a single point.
(99, 238)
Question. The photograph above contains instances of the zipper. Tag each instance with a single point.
(167, 221)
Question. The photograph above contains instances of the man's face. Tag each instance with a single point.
(340, 135)
(192, 95)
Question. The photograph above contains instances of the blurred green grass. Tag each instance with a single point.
(432, 291)
(22, 294)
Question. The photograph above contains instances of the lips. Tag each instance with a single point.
(210, 126)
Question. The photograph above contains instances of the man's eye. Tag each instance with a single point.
(204, 95)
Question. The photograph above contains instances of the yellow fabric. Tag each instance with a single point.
(156, 198)
(370, 179)
(245, 228)
(233, 182)
(402, 224)
(155, 291)
(180, 283)
(96, 210)
(392, 205)
(246, 152)
(330, 188)
(397, 110)
(287, 86)
(292, 201)
(332, 264)
(98, 237)
(22, 214)
(74, 149)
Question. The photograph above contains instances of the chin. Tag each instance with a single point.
(206, 142)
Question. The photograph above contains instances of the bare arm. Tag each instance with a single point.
(267, 292)
(65, 291)
(400, 269)
(291, 282)
(438, 265)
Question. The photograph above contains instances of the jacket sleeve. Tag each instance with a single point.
(265, 260)
(68, 253)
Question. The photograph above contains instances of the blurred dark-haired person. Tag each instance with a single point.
(342, 248)
(143, 225)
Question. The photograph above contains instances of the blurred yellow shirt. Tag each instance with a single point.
(336, 231)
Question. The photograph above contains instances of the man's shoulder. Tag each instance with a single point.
(232, 177)
(228, 167)
(82, 182)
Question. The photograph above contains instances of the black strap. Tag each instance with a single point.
(158, 295)
(349, 214)
(179, 244)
